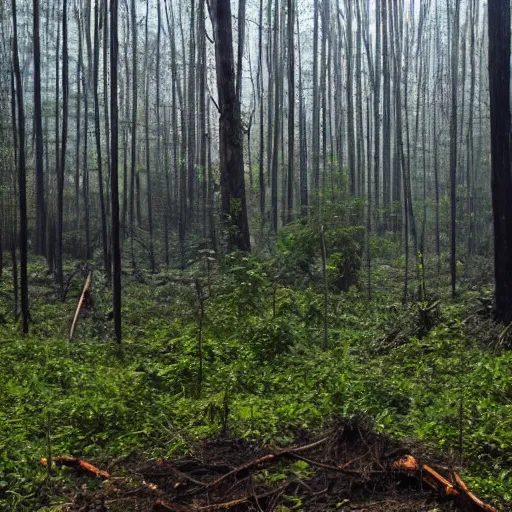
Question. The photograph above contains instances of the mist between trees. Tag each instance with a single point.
(136, 133)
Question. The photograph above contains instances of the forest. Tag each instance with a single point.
(255, 255)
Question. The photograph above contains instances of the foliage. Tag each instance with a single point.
(265, 376)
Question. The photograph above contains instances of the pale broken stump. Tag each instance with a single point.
(80, 303)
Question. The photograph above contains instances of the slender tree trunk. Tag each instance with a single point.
(262, 117)
(303, 165)
(241, 42)
(291, 106)
(453, 147)
(315, 138)
(191, 123)
(386, 117)
(114, 176)
(106, 260)
(148, 149)
(38, 125)
(62, 170)
(277, 111)
(133, 167)
(21, 176)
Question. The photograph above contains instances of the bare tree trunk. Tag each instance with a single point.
(191, 109)
(38, 125)
(234, 206)
(134, 127)
(315, 138)
(386, 117)
(21, 176)
(499, 88)
(146, 131)
(453, 147)
(277, 110)
(291, 106)
(303, 166)
(114, 177)
(241, 41)
(61, 172)
(262, 112)
(106, 260)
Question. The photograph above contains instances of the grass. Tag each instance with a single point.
(265, 376)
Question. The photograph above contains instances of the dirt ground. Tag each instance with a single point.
(350, 468)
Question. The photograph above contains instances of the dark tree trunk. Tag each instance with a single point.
(234, 208)
(291, 106)
(501, 181)
(262, 117)
(61, 172)
(106, 262)
(453, 148)
(38, 125)
(133, 162)
(114, 183)
(240, 50)
(386, 115)
(22, 186)
(148, 149)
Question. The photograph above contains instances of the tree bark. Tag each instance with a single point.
(234, 208)
(501, 181)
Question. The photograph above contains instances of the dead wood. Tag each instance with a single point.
(80, 303)
(79, 464)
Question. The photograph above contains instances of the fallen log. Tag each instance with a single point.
(78, 464)
(79, 306)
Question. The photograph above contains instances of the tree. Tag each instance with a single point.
(453, 146)
(38, 126)
(501, 180)
(234, 208)
(22, 174)
(114, 176)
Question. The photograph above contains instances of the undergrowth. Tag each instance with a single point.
(264, 374)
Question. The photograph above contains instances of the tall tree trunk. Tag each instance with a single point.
(133, 166)
(191, 122)
(22, 186)
(38, 125)
(262, 117)
(501, 181)
(291, 106)
(386, 116)
(315, 138)
(234, 208)
(106, 259)
(303, 165)
(114, 175)
(240, 51)
(453, 147)
(277, 111)
(146, 132)
(350, 99)
(62, 170)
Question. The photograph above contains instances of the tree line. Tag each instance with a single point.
(148, 129)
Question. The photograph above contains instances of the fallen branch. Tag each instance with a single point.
(80, 302)
(262, 460)
(475, 503)
(79, 464)
(437, 482)
(458, 491)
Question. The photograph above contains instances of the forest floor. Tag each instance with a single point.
(165, 414)
(350, 468)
